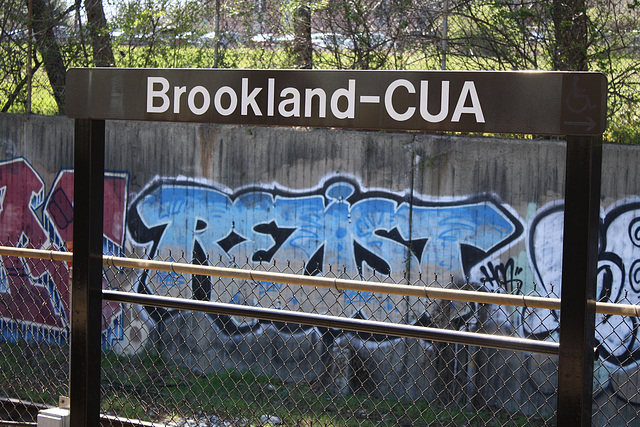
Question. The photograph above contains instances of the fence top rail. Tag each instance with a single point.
(327, 282)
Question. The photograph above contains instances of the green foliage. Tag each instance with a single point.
(624, 127)
(403, 35)
(158, 34)
(501, 35)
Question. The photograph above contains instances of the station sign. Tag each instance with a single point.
(546, 103)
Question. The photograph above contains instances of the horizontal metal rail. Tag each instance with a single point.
(331, 283)
(359, 325)
(31, 410)
(26, 411)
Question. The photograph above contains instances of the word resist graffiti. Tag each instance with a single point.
(35, 295)
(337, 223)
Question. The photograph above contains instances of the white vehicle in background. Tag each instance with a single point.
(227, 39)
(271, 40)
(328, 41)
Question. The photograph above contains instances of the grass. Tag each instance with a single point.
(34, 373)
(42, 101)
(623, 126)
(148, 388)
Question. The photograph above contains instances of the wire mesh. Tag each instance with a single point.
(209, 370)
(185, 368)
(616, 371)
(34, 344)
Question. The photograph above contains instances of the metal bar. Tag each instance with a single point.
(339, 284)
(360, 325)
(28, 411)
(617, 309)
(293, 279)
(4, 423)
(31, 409)
(86, 290)
(613, 309)
(579, 275)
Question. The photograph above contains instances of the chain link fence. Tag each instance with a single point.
(240, 371)
(616, 369)
(25, 86)
(34, 344)
(185, 368)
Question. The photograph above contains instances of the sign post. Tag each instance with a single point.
(579, 276)
(86, 290)
(571, 104)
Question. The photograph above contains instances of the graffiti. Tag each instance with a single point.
(502, 276)
(368, 231)
(33, 300)
(34, 296)
(617, 337)
(337, 223)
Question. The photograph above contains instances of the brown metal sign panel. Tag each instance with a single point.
(552, 103)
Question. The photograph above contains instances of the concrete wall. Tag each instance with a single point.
(369, 202)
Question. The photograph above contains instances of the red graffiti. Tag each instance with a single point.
(23, 298)
(59, 208)
(36, 292)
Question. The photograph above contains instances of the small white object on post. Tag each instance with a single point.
(54, 417)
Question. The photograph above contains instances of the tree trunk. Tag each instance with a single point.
(302, 48)
(45, 41)
(570, 21)
(99, 32)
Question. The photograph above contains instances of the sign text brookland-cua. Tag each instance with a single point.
(295, 102)
(552, 103)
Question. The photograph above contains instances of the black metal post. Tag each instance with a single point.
(86, 290)
(579, 276)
